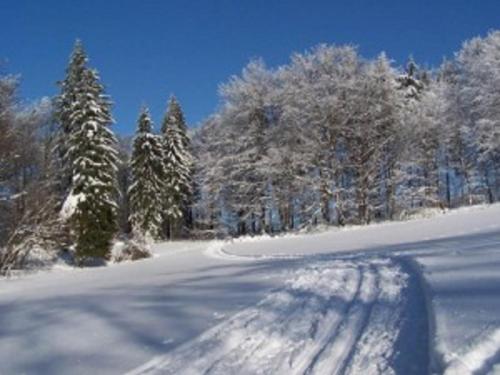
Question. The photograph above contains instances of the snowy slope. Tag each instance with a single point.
(457, 259)
(109, 320)
(405, 298)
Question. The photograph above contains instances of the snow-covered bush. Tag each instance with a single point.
(130, 250)
(37, 239)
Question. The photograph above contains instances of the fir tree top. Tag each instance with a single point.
(411, 67)
(78, 56)
(410, 82)
(147, 173)
(174, 118)
(77, 65)
(177, 159)
(70, 86)
(145, 124)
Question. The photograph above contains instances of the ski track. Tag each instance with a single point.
(331, 317)
(481, 358)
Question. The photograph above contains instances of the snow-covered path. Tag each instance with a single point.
(406, 298)
(330, 317)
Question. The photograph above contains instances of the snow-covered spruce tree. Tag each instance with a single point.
(63, 103)
(177, 117)
(91, 155)
(124, 149)
(410, 83)
(147, 180)
(178, 163)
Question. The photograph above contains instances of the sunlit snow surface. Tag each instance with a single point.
(407, 298)
(330, 317)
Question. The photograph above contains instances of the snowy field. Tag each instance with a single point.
(413, 297)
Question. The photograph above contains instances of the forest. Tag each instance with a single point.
(329, 139)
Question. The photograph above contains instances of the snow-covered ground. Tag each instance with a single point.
(408, 298)
(329, 317)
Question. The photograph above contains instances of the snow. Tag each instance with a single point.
(383, 237)
(117, 249)
(307, 326)
(413, 297)
(70, 205)
(465, 280)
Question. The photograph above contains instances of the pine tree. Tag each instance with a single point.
(91, 159)
(147, 184)
(178, 163)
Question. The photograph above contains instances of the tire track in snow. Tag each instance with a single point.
(333, 317)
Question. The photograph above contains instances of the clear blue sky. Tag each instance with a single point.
(146, 50)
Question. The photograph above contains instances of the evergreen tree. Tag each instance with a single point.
(175, 118)
(410, 82)
(91, 159)
(178, 163)
(147, 184)
(70, 88)
(125, 146)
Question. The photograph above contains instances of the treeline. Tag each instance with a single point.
(332, 138)
(329, 139)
